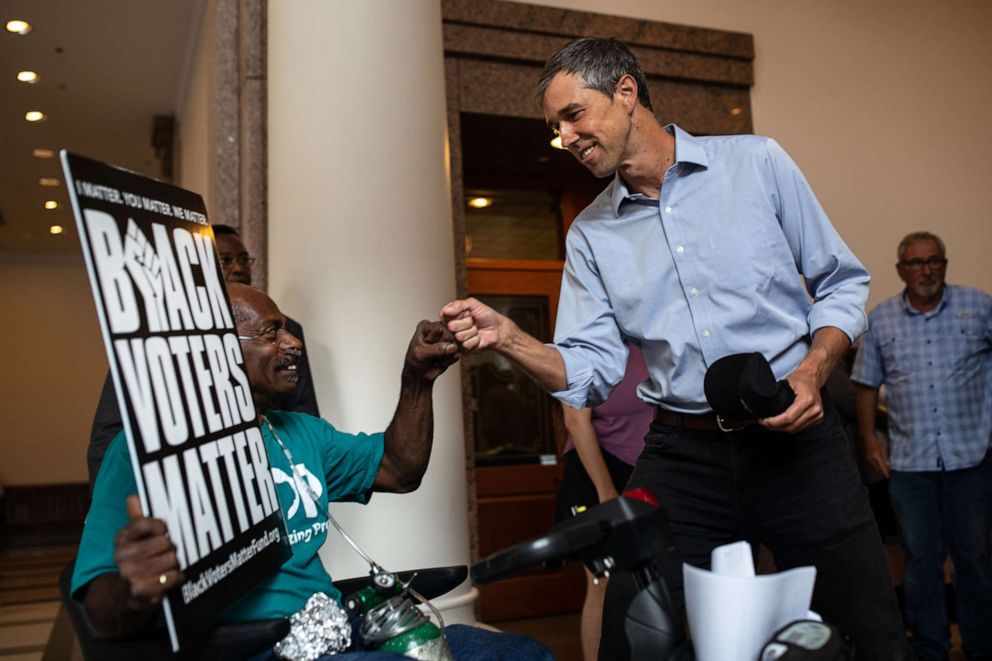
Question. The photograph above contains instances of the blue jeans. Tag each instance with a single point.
(940, 511)
(799, 494)
(466, 644)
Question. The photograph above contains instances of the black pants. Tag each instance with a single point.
(799, 494)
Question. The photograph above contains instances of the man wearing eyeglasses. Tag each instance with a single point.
(931, 347)
(235, 262)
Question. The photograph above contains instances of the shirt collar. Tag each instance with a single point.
(944, 295)
(688, 149)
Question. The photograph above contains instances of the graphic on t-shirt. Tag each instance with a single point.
(300, 491)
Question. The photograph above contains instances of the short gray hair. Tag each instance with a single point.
(601, 62)
(913, 237)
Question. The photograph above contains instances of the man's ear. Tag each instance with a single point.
(625, 91)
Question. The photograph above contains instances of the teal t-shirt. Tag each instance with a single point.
(338, 467)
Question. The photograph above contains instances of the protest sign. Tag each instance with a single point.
(192, 430)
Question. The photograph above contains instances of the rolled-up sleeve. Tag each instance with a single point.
(836, 280)
(586, 332)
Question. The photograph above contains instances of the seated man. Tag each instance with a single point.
(126, 562)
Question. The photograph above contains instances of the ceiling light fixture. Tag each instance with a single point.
(17, 26)
(34, 115)
(48, 181)
(56, 229)
(43, 153)
(28, 77)
(51, 204)
(556, 142)
(480, 202)
(736, 111)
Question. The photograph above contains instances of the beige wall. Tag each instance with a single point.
(54, 365)
(884, 105)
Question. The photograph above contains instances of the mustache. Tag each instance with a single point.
(291, 357)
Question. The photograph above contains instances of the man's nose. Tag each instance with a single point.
(289, 341)
(567, 134)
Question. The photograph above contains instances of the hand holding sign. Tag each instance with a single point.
(145, 558)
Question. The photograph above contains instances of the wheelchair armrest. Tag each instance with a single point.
(431, 582)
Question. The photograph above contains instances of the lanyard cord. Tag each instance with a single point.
(377, 569)
(316, 501)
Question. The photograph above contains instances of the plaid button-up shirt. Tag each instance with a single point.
(937, 370)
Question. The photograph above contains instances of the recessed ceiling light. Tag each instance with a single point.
(736, 111)
(18, 26)
(28, 77)
(34, 115)
(43, 153)
(480, 202)
(51, 204)
(556, 142)
(55, 229)
(48, 181)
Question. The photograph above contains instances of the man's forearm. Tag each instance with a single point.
(409, 437)
(829, 344)
(114, 611)
(539, 361)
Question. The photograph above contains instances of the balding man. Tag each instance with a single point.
(126, 562)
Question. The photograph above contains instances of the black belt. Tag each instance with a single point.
(700, 421)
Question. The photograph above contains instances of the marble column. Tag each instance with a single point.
(360, 247)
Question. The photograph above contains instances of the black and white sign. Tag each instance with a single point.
(197, 452)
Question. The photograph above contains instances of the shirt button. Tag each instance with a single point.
(694, 291)
(680, 249)
(668, 210)
(928, 341)
(935, 410)
(706, 333)
(931, 385)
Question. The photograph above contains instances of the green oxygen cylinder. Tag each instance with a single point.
(397, 625)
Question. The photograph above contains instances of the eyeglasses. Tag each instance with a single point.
(270, 336)
(243, 260)
(917, 264)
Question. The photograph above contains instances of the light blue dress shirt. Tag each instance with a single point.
(727, 261)
(937, 370)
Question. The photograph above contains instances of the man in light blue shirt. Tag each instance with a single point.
(700, 248)
(931, 347)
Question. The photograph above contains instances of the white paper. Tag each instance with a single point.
(733, 613)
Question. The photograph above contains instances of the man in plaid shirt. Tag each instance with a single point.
(931, 347)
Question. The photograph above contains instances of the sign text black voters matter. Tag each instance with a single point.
(196, 449)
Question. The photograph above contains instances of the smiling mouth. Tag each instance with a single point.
(584, 153)
(289, 366)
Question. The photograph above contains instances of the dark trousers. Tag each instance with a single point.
(799, 494)
(940, 511)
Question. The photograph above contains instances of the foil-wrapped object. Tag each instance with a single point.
(320, 628)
